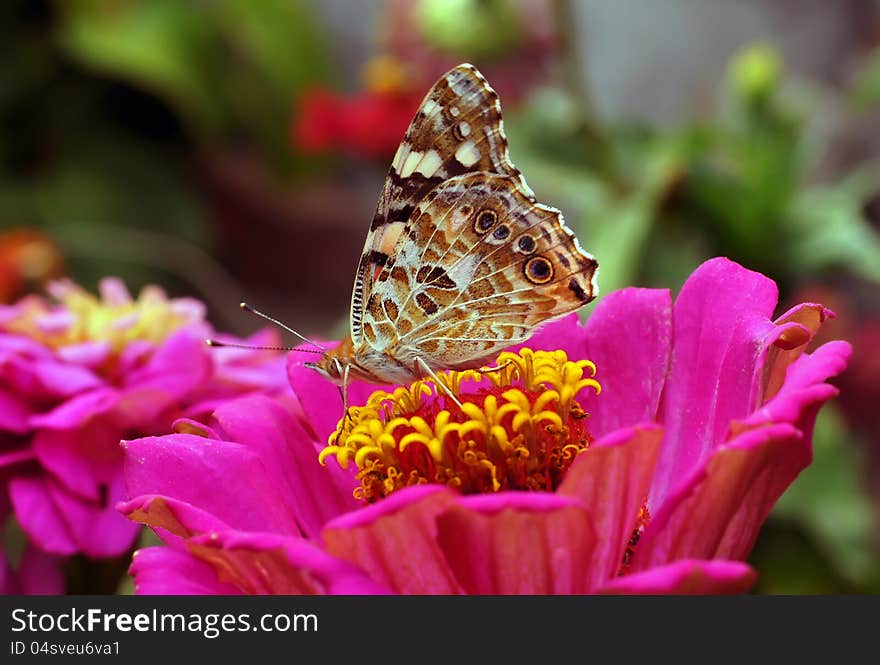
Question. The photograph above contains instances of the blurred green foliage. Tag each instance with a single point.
(738, 184)
(108, 108)
(486, 29)
(865, 93)
(230, 69)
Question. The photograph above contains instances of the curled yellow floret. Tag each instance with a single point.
(519, 426)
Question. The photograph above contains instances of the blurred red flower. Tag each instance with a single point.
(28, 259)
(369, 124)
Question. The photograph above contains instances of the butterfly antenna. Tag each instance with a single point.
(219, 345)
(248, 308)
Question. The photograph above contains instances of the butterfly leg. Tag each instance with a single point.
(343, 391)
(423, 367)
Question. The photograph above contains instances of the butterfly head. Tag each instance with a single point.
(334, 361)
(330, 367)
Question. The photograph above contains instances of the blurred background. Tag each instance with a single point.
(234, 150)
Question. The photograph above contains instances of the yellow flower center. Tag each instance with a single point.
(519, 427)
(113, 317)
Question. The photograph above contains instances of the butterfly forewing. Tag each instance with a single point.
(457, 129)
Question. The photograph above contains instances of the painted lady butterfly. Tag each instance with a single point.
(460, 261)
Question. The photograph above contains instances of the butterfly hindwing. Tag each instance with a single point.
(480, 266)
(457, 130)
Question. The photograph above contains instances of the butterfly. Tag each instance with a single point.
(460, 261)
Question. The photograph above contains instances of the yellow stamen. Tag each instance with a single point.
(518, 427)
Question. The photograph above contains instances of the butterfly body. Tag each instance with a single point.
(460, 261)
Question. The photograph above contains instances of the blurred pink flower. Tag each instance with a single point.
(77, 377)
(705, 417)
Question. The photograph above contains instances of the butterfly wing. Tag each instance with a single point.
(457, 130)
(480, 267)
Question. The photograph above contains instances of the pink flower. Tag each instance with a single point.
(704, 417)
(77, 377)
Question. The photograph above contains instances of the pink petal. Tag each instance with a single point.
(320, 399)
(565, 333)
(611, 479)
(717, 512)
(688, 577)
(14, 457)
(259, 563)
(12, 345)
(519, 543)
(83, 458)
(804, 390)
(49, 378)
(55, 322)
(77, 410)
(164, 571)
(114, 291)
(40, 573)
(628, 337)
(193, 312)
(242, 368)
(395, 540)
(96, 528)
(14, 412)
(721, 332)
(58, 451)
(39, 516)
(801, 323)
(315, 493)
(173, 520)
(178, 366)
(134, 356)
(199, 471)
(87, 354)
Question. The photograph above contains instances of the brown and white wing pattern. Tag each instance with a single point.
(480, 267)
(457, 130)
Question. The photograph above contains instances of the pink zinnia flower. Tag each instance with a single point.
(77, 376)
(657, 482)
